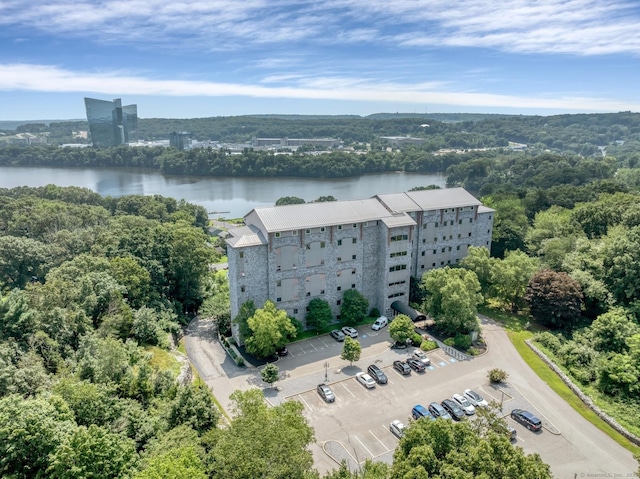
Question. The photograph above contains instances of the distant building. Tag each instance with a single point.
(295, 142)
(110, 123)
(295, 253)
(400, 141)
(180, 140)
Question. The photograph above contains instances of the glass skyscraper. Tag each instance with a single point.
(110, 123)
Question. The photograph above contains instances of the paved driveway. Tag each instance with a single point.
(355, 427)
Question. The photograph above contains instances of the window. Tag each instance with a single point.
(307, 231)
(339, 288)
(241, 255)
(399, 253)
(470, 220)
(434, 251)
(277, 234)
(459, 235)
(435, 240)
(422, 254)
(449, 248)
(458, 248)
(339, 242)
(278, 300)
(436, 225)
(353, 271)
(294, 233)
(441, 263)
(242, 289)
(353, 256)
(400, 238)
(322, 291)
(278, 284)
(450, 236)
(433, 265)
(366, 223)
(322, 229)
(398, 267)
(339, 302)
(308, 293)
(353, 286)
(308, 245)
(443, 249)
(295, 310)
(460, 222)
(424, 240)
(355, 225)
(339, 258)
(354, 241)
(444, 224)
(339, 227)
(395, 295)
(422, 267)
(470, 233)
(321, 244)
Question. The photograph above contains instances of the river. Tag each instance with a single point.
(222, 197)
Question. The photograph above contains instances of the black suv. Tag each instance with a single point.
(376, 373)
(527, 419)
(402, 367)
(453, 409)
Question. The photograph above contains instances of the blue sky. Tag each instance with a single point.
(201, 58)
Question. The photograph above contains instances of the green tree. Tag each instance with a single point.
(145, 327)
(509, 226)
(554, 299)
(319, 316)
(449, 449)
(401, 329)
(247, 310)
(194, 407)
(351, 350)
(93, 452)
(289, 200)
(30, 430)
(511, 277)
(22, 259)
(354, 307)
(453, 295)
(178, 463)
(621, 264)
(284, 439)
(609, 331)
(270, 374)
(271, 329)
(479, 261)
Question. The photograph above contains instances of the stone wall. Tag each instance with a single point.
(583, 397)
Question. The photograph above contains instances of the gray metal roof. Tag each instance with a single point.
(398, 220)
(314, 215)
(426, 200)
(245, 236)
(485, 209)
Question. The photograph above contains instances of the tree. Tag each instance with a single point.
(453, 295)
(621, 264)
(284, 437)
(93, 452)
(271, 330)
(22, 259)
(511, 277)
(194, 407)
(354, 307)
(479, 261)
(319, 315)
(270, 374)
(509, 226)
(554, 299)
(401, 329)
(178, 463)
(247, 310)
(609, 331)
(289, 200)
(351, 350)
(450, 449)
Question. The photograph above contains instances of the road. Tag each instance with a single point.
(580, 450)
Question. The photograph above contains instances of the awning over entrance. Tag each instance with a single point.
(403, 308)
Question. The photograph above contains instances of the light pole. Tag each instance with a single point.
(326, 371)
(501, 399)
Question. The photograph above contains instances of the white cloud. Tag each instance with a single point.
(45, 78)
(577, 27)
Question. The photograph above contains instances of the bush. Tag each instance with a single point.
(462, 341)
(374, 313)
(416, 339)
(473, 351)
(449, 342)
(549, 340)
(497, 375)
(428, 345)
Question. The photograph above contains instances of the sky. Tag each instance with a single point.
(206, 58)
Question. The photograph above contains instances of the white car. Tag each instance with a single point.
(397, 428)
(366, 380)
(464, 403)
(380, 323)
(349, 331)
(475, 398)
(420, 355)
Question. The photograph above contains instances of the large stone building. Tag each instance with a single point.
(110, 123)
(295, 253)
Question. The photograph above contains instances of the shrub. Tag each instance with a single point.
(497, 375)
(549, 340)
(462, 341)
(428, 345)
(416, 339)
(473, 351)
(374, 313)
(449, 342)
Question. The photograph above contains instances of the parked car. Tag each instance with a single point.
(380, 323)
(283, 351)
(513, 434)
(398, 345)
(420, 355)
(366, 380)
(416, 365)
(401, 367)
(326, 393)
(475, 398)
(527, 419)
(464, 403)
(376, 373)
(438, 411)
(337, 335)
(453, 409)
(349, 331)
(419, 411)
(397, 428)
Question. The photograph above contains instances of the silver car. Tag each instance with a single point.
(366, 380)
(464, 403)
(397, 428)
(475, 399)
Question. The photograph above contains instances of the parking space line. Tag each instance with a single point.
(314, 348)
(383, 444)
(365, 447)
(342, 384)
(305, 402)
(323, 343)
(439, 357)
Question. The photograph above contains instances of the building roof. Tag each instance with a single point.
(397, 220)
(245, 236)
(426, 200)
(314, 215)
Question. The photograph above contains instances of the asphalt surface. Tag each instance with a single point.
(355, 427)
